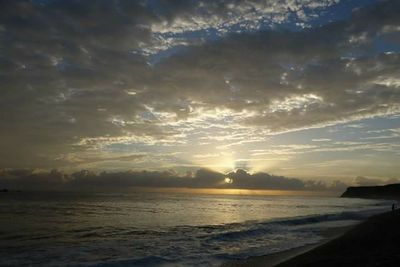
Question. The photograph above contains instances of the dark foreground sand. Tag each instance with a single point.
(375, 242)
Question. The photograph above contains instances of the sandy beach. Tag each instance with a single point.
(374, 242)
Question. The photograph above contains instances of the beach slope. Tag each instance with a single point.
(375, 242)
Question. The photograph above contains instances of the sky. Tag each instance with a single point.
(287, 94)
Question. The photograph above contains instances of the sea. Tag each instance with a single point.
(164, 229)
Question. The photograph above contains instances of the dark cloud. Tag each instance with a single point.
(77, 70)
(202, 178)
(243, 179)
(295, 79)
(64, 68)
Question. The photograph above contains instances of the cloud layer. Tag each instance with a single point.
(202, 178)
(77, 78)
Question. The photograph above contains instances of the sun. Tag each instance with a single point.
(228, 180)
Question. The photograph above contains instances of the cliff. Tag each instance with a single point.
(391, 191)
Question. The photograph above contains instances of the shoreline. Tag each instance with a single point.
(372, 242)
(273, 259)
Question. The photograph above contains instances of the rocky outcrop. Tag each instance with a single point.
(391, 191)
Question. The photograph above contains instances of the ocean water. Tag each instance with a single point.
(163, 229)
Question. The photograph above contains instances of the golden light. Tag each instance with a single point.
(221, 161)
(228, 180)
(233, 191)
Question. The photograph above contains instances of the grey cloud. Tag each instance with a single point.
(96, 159)
(202, 178)
(248, 15)
(242, 179)
(29, 180)
(67, 68)
(294, 68)
(366, 181)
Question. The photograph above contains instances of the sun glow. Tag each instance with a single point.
(234, 191)
(228, 180)
(220, 162)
